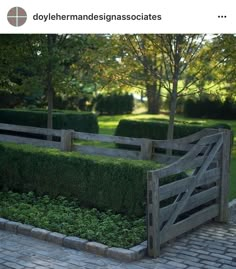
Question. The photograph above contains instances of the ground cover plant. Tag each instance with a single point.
(64, 216)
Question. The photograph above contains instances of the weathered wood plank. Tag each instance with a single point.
(191, 222)
(172, 145)
(167, 159)
(164, 158)
(153, 227)
(210, 139)
(146, 149)
(196, 136)
(29, 129)
(224, 182)
(66, 140)
(108, 138)
(107, 152)
(189, 160)
(183, 199)
(191, 138)
(193, 202)
(174, 188)
(180, 165)
(32, 141)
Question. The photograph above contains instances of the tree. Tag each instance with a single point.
(151, 68)
(224, 44)
(180, 53)
(38, 63)
(121, 61)
(139, 66)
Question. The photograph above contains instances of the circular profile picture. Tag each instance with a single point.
(16, 16)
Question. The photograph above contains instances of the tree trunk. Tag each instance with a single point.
(173, 102)
(50, 89)
(50, 94)
(141, 96)
(175, 80)
(153, 97)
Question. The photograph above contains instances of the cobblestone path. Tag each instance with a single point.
(209, 247)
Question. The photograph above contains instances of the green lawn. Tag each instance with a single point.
(107, 125)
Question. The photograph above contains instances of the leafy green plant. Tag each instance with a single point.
(64, 216)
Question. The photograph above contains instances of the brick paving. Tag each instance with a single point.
(211, 246)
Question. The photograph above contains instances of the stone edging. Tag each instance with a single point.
(128, 255)
(232, 207)
(232, 204)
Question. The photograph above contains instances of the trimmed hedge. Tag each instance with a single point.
(100, 182)
(158, 130)
(78, 121)
(207, 108)
(115, 104)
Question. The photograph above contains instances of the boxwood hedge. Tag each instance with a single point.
(78, 121)
(158, 130)
(100, 182)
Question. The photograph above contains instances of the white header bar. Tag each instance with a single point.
(120, 16)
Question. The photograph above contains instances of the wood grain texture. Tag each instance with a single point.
(108, 138)
(153, 223)
(206, 164)
(191, 222)
(107, 152)
(29, 129)
(31, 141)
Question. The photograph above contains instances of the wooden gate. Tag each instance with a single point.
(199, 196)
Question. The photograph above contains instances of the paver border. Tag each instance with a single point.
(128, 255)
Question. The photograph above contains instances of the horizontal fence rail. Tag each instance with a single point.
(17, 134)
(108, 138)
(108, 152)
(29, 129)
(69, 138)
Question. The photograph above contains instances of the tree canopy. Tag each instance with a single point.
(157, 65)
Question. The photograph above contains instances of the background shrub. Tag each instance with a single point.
(207, 108)
(114, 104)
(78, 121)
(158, 130)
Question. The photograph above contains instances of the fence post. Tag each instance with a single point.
(224, 180)
(66, 140)
(153, 216)
(146, 149)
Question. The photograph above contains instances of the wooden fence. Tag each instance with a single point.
(67, 138)
(201, 194)
(201, 160)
